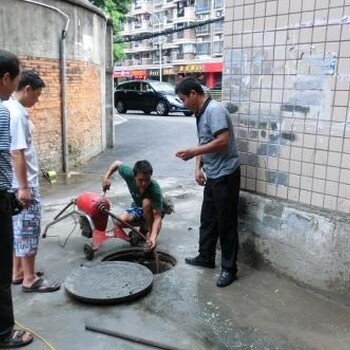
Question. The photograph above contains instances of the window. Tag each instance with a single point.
(181, 8)
(218, 4)
(203, 29)
(202, 6)
(203, 49)
(218, 47)
(218, 26)
(188, 48)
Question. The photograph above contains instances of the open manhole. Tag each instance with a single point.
(158, 262)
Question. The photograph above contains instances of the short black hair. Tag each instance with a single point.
(9, 63)
(186, 85)
(31, 78)
(143, 167)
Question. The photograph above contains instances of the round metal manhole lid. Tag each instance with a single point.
(109, 282)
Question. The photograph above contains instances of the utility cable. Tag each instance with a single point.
(49, 346)
(168, 31)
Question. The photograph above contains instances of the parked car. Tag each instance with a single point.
(148, 96)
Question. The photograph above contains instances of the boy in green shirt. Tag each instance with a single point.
(146, 194)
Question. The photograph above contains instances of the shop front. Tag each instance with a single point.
(207, 73)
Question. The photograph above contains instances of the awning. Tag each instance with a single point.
(212, 67)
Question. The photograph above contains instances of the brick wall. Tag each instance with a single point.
(83, 112)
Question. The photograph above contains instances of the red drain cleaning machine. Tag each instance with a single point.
(93, 211)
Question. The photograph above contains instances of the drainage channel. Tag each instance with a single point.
(158, 262)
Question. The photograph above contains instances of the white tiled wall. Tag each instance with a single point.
(287, 67)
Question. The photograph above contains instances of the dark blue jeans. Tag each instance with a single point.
(6, 251)
(219, 219)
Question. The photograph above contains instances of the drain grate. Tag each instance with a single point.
(158, 262)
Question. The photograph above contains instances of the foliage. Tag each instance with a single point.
(116, 10)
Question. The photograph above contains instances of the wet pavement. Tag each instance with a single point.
(184, 308)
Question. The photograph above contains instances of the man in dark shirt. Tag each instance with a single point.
(9, 337)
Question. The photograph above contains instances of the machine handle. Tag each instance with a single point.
(103, 209)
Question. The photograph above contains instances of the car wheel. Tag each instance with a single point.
(188, 114)
(121, 107)
(162, 108)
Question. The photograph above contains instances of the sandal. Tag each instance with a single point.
(42, 286)
(16, 339)
(20, 280)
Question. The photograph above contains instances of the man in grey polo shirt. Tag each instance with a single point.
(217, 169)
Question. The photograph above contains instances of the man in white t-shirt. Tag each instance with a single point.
(26, 225)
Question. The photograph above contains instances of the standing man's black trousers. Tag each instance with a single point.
(219, 219)
(6, 251)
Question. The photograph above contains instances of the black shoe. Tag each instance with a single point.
(200, 261)
(226, 277)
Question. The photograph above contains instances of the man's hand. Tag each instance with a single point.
(186, 154)
(200, 177)
(106, 184)
(149, 245)
(25, 197)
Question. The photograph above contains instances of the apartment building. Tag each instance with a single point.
(186, 48)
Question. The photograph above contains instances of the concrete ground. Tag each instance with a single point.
(184, 309)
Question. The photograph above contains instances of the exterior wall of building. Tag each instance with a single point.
(287, 67)
(38, 46)
(190, 51)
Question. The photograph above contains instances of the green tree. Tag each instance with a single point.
(116, 10)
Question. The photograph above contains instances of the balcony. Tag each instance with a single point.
(187, 36)
(168, 20)
(127, 30)
(170, 45)
(185, 14)
(139, 8)
(142, 27)
(175, 56)
(166, 59)
(169, 4)
(135, 62)
(146, 60)
(127, 62)
(139, 46)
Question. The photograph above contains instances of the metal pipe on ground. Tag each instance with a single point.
(130, 338)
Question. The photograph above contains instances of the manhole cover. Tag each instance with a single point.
(109, 282)
(157, 262)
